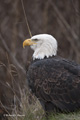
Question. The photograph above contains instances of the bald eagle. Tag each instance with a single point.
(55, 81)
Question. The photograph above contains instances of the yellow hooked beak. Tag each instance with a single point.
(28, 42)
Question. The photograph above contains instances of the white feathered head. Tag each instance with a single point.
(44, 45)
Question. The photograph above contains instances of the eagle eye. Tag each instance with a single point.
(35, 39)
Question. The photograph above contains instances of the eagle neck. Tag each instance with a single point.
(51, 57)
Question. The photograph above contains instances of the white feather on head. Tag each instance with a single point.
(46, 46)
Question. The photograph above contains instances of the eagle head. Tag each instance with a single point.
(44, 45)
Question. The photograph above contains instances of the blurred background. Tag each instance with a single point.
(60, 18)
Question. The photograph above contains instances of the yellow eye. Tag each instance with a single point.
(35, 39)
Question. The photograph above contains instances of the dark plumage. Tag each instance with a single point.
(56, 83)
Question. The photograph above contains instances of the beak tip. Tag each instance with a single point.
(23, 44)
(24, 47)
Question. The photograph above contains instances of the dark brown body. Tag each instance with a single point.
(56, 83)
